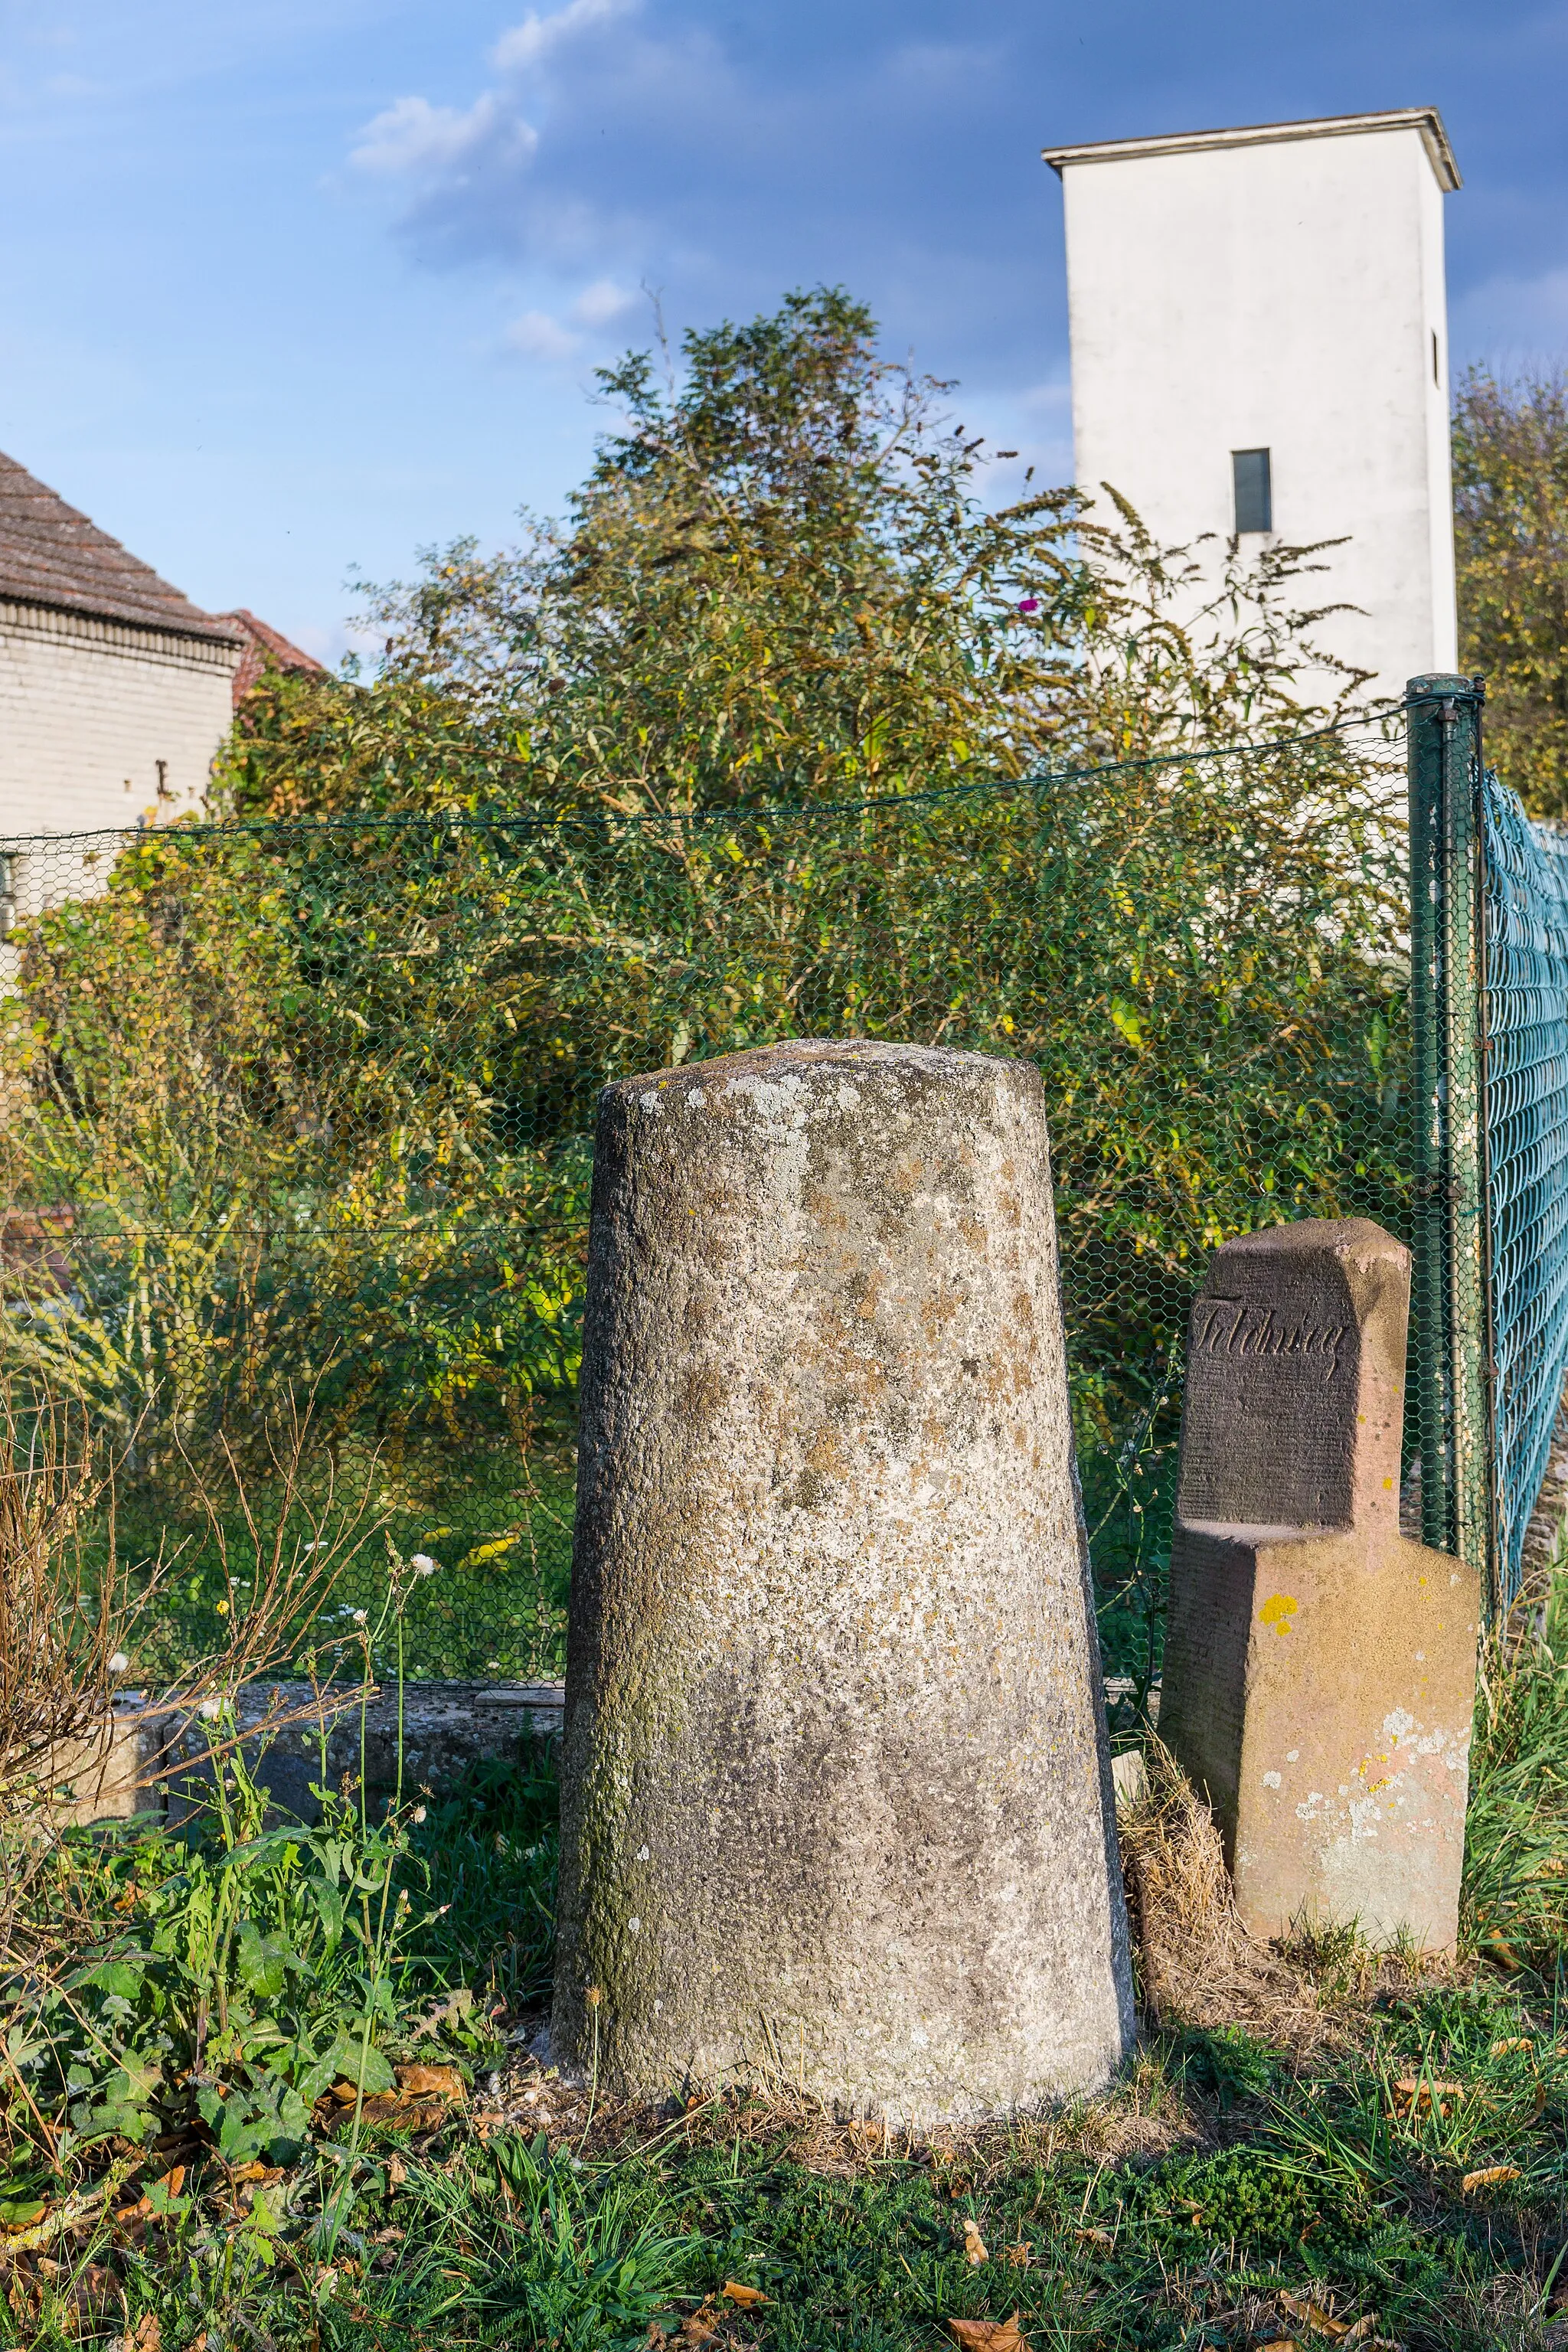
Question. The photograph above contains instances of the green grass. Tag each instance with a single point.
(1410, 2177)
(1306, 2187)
(1175, 2212)
(500, 1527)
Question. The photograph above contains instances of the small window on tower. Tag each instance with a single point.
(1254, 494)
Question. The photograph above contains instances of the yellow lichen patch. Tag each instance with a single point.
(1277, 1612)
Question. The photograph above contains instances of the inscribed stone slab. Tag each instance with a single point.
(1320, 1669)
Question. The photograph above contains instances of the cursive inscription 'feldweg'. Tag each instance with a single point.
(1229, 1327)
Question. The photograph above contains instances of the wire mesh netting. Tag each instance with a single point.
(307, 1107)
(1526, 869)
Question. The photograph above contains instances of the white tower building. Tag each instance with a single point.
(1260, 346)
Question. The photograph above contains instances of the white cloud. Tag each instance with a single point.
(614, 144)
(527, 43)
(537, 336)
(412, 139)
(541, 335)
(604, 301)
(413, 136)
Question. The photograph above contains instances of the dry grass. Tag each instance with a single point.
(73, 1606)
(1197, 1964)
(1143, 2115)
(60, 1628)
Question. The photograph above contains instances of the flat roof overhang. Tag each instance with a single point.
(1424, 119)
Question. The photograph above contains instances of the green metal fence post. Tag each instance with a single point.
(1452, 1270)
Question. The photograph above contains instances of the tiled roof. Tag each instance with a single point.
(263, 647)
(50, 554)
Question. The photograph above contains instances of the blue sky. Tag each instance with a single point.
(295, 288)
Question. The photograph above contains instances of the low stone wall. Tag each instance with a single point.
(152, 1760)
(149, 1760)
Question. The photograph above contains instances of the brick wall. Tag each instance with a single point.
(88, 708)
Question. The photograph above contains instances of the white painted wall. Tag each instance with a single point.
(1278, 289)
(87, 708)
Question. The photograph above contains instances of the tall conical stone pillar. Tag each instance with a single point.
(836, 1804)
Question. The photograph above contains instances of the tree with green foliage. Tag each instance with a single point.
(1510, 535)
(784, 731)
(783, 581)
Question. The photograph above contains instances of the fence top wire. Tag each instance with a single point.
(461, 1016)
(1379, 716)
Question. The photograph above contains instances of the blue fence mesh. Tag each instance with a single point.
(1526, 870)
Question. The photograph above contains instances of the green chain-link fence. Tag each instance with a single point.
(1489, 998)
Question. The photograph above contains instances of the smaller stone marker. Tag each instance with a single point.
(1319, 1668)
(836, 1796)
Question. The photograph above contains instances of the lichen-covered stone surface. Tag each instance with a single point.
(1319, 1668)
(836, 1806)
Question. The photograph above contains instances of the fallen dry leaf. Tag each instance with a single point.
(149, 2336)
(409, 2113)
(1511, 2041)
(744, 2296)
(973, 2243)
(1414, 2096)
(1489, 2176)
(991, 2334)
(397, 2173)
(1280, 2344)
(170, 2182)
(94, 2289)
(698, 2327)
(431, 2083)
(1313, 2315)
(1092, 2237)
(1018, 2255)
(1320, 2321)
